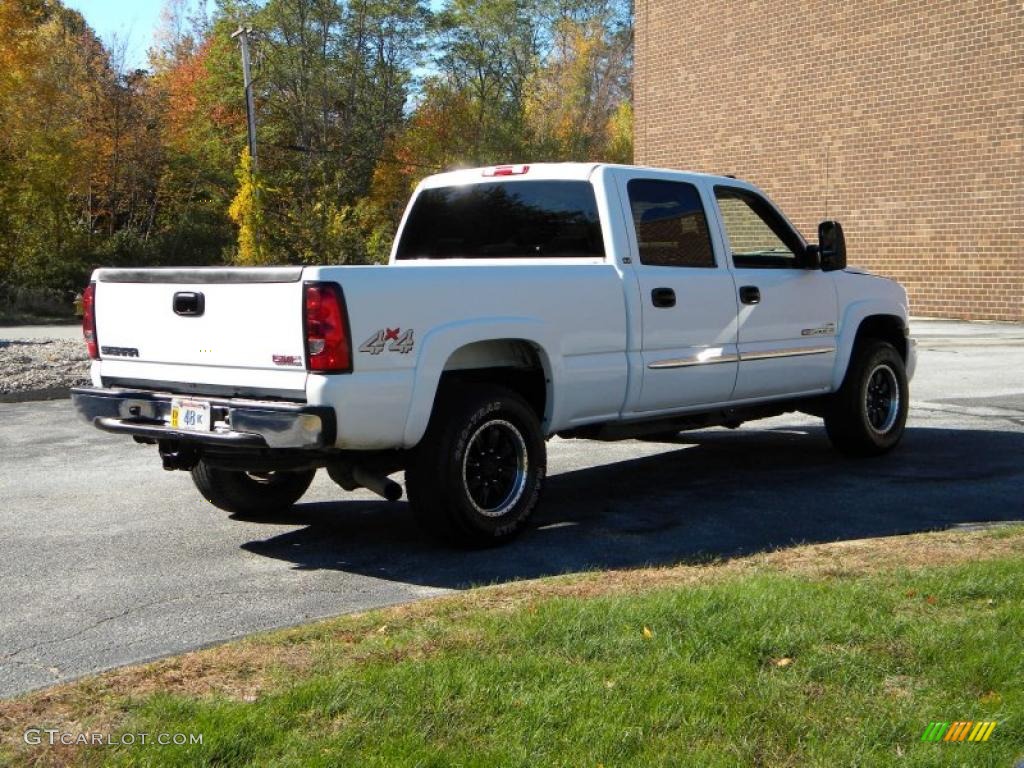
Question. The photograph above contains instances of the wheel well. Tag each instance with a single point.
(511, 363)
(888, 328)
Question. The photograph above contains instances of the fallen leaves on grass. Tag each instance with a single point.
(246, 670)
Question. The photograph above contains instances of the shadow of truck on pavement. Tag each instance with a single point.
(721, 494)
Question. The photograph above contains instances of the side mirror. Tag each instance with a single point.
(831, 246)
(811, 258)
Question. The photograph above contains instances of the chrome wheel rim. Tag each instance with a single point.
(494, 467)
(882, 399)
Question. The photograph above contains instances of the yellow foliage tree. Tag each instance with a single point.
(575, 101)
(619, 146)
(246, 210)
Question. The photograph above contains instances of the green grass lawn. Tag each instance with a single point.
(750, 667)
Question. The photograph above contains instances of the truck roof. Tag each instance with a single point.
(566, 171)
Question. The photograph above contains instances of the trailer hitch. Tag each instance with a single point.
(176, 455)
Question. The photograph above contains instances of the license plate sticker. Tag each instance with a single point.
(193, 415)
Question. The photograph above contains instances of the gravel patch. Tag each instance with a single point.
(37, 369)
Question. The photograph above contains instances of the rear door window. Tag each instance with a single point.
(504, 220)
(671, 228)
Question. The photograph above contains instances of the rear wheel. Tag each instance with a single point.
(867, 416)
(477, 474)
(250, 493)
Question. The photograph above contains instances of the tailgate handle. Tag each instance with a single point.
(189, 303)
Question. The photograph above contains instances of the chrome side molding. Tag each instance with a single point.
(714, 355)
(709, 356)
(790, 352)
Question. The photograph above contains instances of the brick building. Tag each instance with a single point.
(904, 120)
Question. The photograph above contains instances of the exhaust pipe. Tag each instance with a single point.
(379, 484)
(351, 477)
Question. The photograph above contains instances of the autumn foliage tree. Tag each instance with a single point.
(105, 164)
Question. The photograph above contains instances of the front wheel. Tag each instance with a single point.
(868, 414)
(476, 476)
(252, 494)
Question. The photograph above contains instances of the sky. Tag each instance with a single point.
(133, 21)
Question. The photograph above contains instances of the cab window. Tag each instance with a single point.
(504, 220)
(671, 228)
(758, 236)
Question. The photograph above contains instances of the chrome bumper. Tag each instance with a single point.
(236, 422)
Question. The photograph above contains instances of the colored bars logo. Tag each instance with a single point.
(963, 730)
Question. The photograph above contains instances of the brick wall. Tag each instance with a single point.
(904, 120)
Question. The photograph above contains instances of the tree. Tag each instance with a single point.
(575, 98)
(246, 211)
(49, 102)
(101, 164)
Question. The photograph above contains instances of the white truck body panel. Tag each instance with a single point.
(606, 352)
(581, 343)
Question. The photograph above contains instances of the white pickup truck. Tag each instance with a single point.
(520, 302)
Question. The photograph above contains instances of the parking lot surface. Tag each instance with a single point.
(105, 559)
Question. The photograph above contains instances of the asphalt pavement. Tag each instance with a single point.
(105, 559)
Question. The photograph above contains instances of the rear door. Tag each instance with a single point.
(232, 330)
(787, 314)
(687, 295)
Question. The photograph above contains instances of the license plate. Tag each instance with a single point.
(193, 415)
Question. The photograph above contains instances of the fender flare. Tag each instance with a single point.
(442, 342)
(856, 313)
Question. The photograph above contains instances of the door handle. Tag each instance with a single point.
(750, 294)
(663, 297)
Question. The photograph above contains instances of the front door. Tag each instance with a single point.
(688, 297)
(787, 313)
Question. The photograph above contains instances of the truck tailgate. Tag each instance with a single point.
(240, 328)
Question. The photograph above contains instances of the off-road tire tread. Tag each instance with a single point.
(845, 421)
(433, 493)
(234, 491)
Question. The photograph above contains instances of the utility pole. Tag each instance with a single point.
(242, 33)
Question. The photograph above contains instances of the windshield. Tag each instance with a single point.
(502, 220)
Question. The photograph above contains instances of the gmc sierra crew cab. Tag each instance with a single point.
(520, 302)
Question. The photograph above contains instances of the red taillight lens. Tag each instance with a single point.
(327, 339)
(89, 321)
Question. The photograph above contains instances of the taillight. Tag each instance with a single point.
(89, 321)
(328, 348)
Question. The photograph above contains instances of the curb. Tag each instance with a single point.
(49, 393)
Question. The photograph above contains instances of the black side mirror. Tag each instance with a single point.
(811, 258)
(831, 246)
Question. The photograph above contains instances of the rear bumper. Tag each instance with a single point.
(236, 422)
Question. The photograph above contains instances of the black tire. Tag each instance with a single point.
(250, 494)
(477, 475)
(868, 414)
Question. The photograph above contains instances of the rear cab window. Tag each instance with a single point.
(504, 220)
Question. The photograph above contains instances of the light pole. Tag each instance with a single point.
(242, 33)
